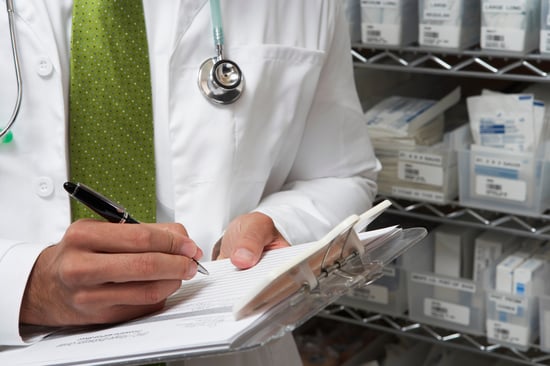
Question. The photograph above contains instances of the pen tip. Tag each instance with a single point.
(69, 187)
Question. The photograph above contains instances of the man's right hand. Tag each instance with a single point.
(104, 273)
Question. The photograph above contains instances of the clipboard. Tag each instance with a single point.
(315, 275)
(335, 279)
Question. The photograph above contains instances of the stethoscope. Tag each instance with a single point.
(5, 132)
(220, 80)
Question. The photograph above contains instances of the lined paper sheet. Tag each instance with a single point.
(197, 318)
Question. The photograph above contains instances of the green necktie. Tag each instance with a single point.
(111, 142)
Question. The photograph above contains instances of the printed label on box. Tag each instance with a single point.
(438, 10)
(420, 173)
(508, 189)
(509, 305)
(418, 194)
(506, 332)
(447, 311)
(374, 293)
(454, 284)
(505, 6)
(503, 38)
(441, 36)
(380, 3)
(417, 157)
(388, 34)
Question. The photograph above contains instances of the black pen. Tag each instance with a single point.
(104, 207)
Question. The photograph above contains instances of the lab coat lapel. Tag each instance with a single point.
(42, 17)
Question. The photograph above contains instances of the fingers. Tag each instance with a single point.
(110, 296)
(92, 269)
(107, 237)
(247, 237)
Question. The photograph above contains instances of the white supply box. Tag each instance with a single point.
(544, 315)
(389, 22)
(545, 26)
(352, 9)
(489, 247)
(454, 250)
(510, 25)
(512, 320)
(505, 271)
(449, 23)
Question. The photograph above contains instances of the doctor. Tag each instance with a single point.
(280, 166)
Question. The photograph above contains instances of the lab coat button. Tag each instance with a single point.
(45, 67)
(44, 186)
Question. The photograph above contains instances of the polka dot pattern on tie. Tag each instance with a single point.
(111, 141)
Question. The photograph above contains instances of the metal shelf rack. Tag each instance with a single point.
(458, 215)
(473, 63)
(402, 326)
(477, 63)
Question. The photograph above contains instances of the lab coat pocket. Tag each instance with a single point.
(281, 82)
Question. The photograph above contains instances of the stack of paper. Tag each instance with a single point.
(403, 121)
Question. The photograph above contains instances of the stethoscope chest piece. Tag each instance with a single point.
(221, 81)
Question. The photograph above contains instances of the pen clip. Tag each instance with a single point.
(100, 204)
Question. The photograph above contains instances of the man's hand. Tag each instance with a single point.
(247, 237)
(103, 273)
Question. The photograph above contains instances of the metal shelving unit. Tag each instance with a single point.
(458, 215)
(402, 326)
(532, 67)
(477, 63)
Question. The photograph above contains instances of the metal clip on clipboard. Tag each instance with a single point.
(311, 285)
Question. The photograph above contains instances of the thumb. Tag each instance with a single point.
(246, 238)
(247, 253)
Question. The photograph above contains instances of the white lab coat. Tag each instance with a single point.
(294, 146)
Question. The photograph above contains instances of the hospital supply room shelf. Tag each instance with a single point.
(532, 67)
(456, 214)
(402, 326)
(470, 63)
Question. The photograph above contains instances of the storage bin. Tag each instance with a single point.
(387, 295)
(512, 320)
(451, 303)
(504, 181)
(422, 174)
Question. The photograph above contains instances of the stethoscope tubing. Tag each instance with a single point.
(5, 129)
(217, 32)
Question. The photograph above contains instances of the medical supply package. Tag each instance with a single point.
(408, 121)
(544, 45)
(389, 22)
(507, 121)
(449, 23)
(510, 25)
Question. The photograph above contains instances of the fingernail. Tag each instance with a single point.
(244, 255)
